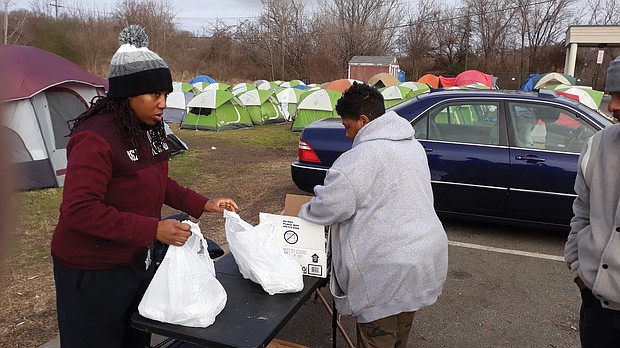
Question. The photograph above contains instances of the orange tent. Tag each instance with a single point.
(430, 80)
(339, 85)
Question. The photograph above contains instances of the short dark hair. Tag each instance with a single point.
(360, 99)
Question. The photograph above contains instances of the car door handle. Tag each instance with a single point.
(427, 149)
(529, 158)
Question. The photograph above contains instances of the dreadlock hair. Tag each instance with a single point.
(124, 117)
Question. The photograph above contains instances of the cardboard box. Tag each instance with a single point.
(303, 240)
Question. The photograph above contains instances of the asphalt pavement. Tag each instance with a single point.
(506, 288)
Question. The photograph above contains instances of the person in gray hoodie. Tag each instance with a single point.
(389, 248)
(592, 251)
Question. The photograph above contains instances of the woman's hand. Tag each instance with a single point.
(173, 232)
(218, 205)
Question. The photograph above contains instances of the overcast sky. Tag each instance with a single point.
(192, 15)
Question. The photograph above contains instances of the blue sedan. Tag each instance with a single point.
(502, 156)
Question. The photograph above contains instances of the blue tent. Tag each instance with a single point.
(302, 87)
(528, 86)
(202, 78)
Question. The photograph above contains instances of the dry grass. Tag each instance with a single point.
(251, 166)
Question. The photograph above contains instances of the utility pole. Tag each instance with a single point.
(55, 4)
(6, 20)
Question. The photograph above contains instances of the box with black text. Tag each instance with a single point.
(303, 240)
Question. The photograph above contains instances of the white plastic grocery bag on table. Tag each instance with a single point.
(260, 256)
(184, 290)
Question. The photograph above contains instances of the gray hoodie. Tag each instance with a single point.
(389, 249)
(592, 250)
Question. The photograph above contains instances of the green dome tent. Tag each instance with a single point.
(416, 88)
(587, 96)
(288, 99)
(394, 95)
(242, 87)
(216, 110)
(267, 85)
(262, 106)
(315, 105)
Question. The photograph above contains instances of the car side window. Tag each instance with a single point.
(463, 122)
(541, 126)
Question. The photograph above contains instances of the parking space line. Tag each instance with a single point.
(507, 251)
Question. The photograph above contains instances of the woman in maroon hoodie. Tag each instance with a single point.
(115, 186)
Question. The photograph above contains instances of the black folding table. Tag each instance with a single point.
(251, 318)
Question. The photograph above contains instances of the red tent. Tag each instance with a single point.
(471, 76)
(41, 93)
(27, 70)
(447, 81)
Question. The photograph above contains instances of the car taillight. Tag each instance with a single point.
(306, 153)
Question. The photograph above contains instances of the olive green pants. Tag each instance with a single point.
(389, 332)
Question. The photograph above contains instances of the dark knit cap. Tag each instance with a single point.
(135, 69)
(612, 83)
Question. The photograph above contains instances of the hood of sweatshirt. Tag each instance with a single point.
(388, 126)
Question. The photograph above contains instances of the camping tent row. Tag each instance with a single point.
(564, 84)
(549, 81)
(218, 109)
(221, 109)
(245, 105)
(47, 92)
(466, 78)
(221, 106)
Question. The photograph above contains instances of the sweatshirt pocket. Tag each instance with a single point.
(341, 299)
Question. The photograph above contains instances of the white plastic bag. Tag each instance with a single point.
(260, 256)
(184, 290)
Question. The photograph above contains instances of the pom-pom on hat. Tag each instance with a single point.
(135, 69)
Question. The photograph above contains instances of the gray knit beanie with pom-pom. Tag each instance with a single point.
(135, 69)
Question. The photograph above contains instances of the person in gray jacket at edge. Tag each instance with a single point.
(592, 251)
(389, 249)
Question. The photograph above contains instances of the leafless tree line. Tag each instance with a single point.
(507, 38)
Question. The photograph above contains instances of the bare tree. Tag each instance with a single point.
(217, 53)
(416, 38)
(7, 4)
(361, 27)
(490, 24)
(603, 12)
(41, 8)
(542, 23)
(280, 41)
(450, 40)
(258, 44)
(285, 24)
(95, 49)
(12, 22)
(156, 16)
